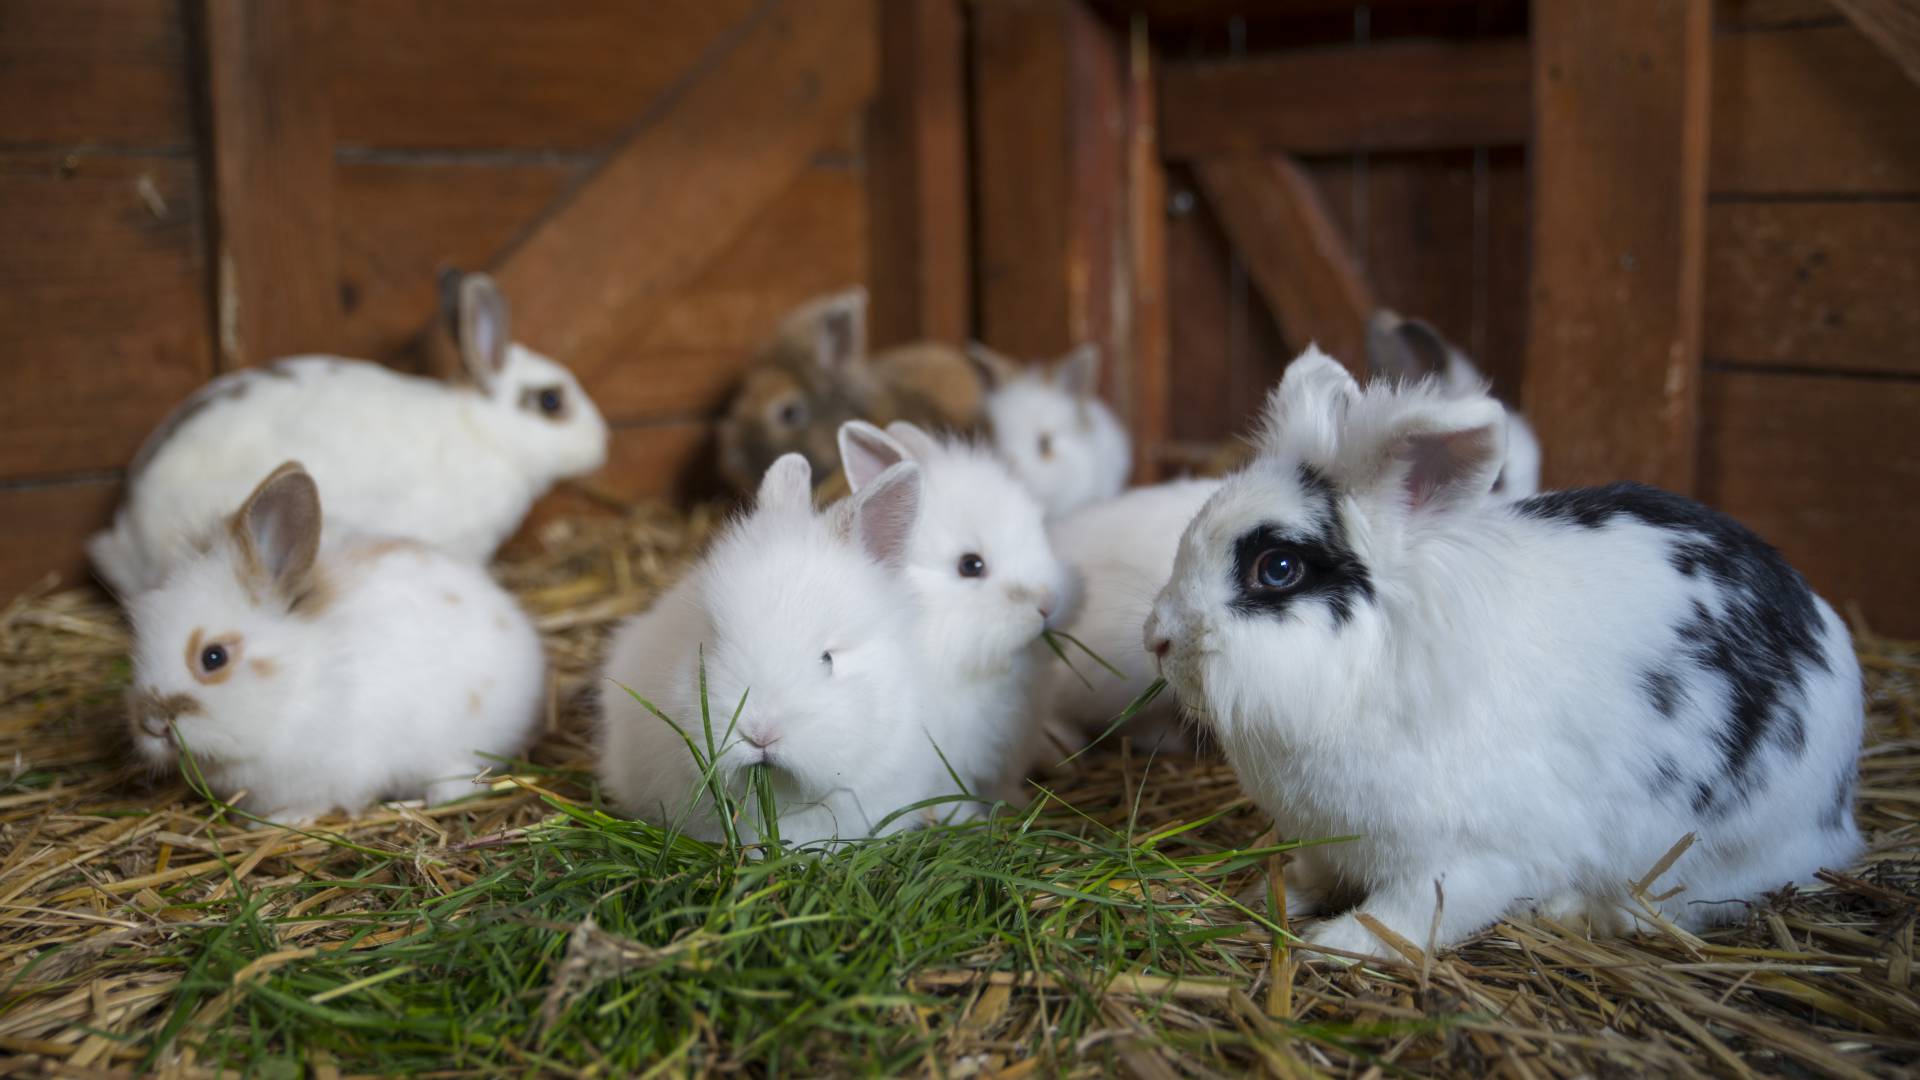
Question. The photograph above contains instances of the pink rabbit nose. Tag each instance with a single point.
(1162, 646)
(759, 740)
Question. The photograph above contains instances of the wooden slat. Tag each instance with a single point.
(1275, 220)
(1619, 183)
(1822, 467)
(917, 161)
(1817, 110)
(1502, 354)
(1403, 96)
(1815, 285)
(103, 321)
(271, 157)
(652, 461)
(1763, 14)
(43, 528)
(497, 75)
(692, 176)
(1893, 25)
(1144, 374)
(94, 71)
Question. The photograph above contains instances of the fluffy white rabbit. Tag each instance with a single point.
(987, 584)
(806, 625)
(320, 676)
(1529, 702)
(1050, 425)
(1121, 551)
(1411, 349)
(455, 466)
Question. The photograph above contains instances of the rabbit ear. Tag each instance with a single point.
(1404, 349)
(920, 446)
(787, 485)
(1078, 372)
(1440, 453)
(995, 369)
(866, 452)
(278, 531)
(840, 335)
(1308, 407)
(884, 514)
(483, 329)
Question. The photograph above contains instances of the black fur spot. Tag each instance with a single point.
(1761, 642)
(1666, 776)
(1663, 690)
(1334, 574)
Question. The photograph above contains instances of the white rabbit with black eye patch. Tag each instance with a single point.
(987, 584)
(320, 676)
(1411, 349)
(805, 625)
(455, 466)
(1528, 702)
(1050, 425)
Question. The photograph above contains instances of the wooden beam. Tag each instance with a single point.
(1274, 218)
(1894, 25)
(917, 177)
(275, 268)
(1619, 189)
(1403, 96)
(1144, 385)
(688, 179)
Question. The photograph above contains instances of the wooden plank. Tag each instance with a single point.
(1619, 183)
(271, 155)
(1502, 289)
(1397, 96)
(1893, 25)
(671, 461)
(1821, 467)
(1276, 222)
(103, 321)
(94, 71)
(1765, 14)
(1144, 374)
(917, 162)
(43, 528)
(1419, 250)
(676, 193)
(1816, 110)
(1815, 285)
(493, 75)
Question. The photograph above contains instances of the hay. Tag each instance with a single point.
(115, 890)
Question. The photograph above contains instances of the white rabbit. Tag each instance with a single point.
(1529, 702)
(1410, 349)
(1050, 425)
(1121, 551)
(804, 624)
(316, 676)
(987, 584)
(398, 455)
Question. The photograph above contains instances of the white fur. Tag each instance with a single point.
(1423, 351)
(780, 588)
(395, 687)
(978, 635)
(1062, 441)
(1483, 720)
(396, 454)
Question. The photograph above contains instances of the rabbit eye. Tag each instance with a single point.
(1277, 570)
(972, 565)
(793, 413)
(1046, 446)
(827, 659)
(550, 401)
(211, 662)
(213, 658)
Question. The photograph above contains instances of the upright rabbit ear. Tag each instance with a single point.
(885, 513)
(1442, 453)
(787, 485)
(840, 332)
(995, 369)
(278, 532)
(1078, 372)
(483, 329)
(1404, 350)
(1307, 408)
(866, 452)
(920, 446)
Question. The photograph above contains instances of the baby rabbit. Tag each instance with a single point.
(814, 374)
(806, 626)
(1409, 349)
(454, 466)
(1049, 423)
(319, 676)
(1528, 702)
(987, 584)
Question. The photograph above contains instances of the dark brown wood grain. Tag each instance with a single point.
(1815, 285)
(917, 177)
(665, 461)
(1825, 469)
(1143, 374)
(43, 528)
(1892, 25)
(94, 71)
(1396, 96)
(1619, 214)
(271, 166)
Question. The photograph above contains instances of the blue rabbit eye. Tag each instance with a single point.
(1278, 570)
(550, 401)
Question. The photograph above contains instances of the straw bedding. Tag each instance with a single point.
(104, 872)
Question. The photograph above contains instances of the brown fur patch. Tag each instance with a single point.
(152, 713)
(199, 640)
(451, 597)
(474, 702)
(264, 668)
